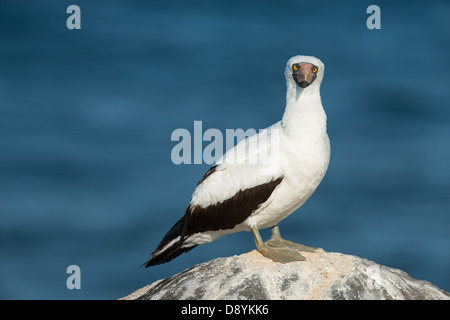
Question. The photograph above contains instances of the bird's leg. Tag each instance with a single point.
(278, 242)
(281, 254)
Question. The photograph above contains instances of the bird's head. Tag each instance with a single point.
(304, 70)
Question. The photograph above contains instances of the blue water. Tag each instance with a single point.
(86, 117)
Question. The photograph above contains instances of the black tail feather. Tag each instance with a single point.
(171, 252)
(168, 255)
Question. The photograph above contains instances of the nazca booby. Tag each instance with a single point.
(264, 178)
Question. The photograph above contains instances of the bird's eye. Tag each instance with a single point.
(295, 67)
(314, 69)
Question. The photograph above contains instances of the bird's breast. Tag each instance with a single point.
(306, 163)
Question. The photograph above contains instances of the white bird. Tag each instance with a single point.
(264, 178)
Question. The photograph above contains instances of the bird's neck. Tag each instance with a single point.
(304, 115)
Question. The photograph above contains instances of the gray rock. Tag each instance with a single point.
(323, 276)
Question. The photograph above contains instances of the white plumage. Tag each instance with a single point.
(295, 150)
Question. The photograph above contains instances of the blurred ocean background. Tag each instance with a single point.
(86, 118)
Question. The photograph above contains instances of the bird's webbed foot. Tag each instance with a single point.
(277, 241)
(278, 249)
(283, 254)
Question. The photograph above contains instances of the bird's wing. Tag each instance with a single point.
(252, 162)
(237, 184)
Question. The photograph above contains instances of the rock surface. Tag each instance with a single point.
(324, 275)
